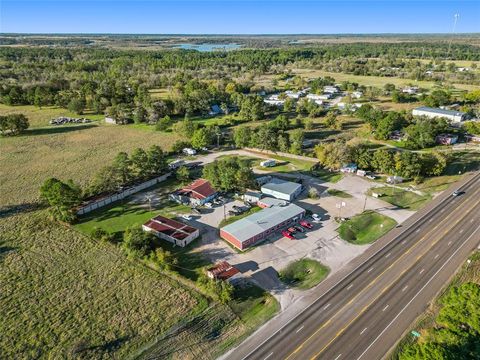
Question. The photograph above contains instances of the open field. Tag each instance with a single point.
(39, 117)
(61, 292)
(366, 227)
(402, 198)
(68, 152)
(304, 273)
(377, 81)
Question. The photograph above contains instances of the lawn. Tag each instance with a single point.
(402, 198)
(40, 117)
(325, 175)
(120, 216)
(304, 273)
(339, 193)
(366, 227)
(232, 219)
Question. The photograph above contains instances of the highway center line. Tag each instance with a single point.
(366, 307)
(436, 257)
(268, 356)
(422, 288)
(326, 306)
(449, 242)
(338, 357)
(349, 286)
(388, 255)
(363, 331)
(417, 221)
(370, 269)
(386, 307)
(421, 271)
(405, 288)
(300, 329)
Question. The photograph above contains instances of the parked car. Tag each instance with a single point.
(305, 224)
(371, 177)
(186, 217)
(288, 235)
(292, 230)
(316, 217)
(209, 205)
(457, 193)
(299, 228)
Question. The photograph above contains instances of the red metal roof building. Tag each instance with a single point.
(198, 192)
(223, 271)
(171, 230)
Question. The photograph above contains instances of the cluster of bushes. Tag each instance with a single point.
(456, 332)
(272, 136)
(420, 131)
(403, 163)
(13, 124)
(231, 173)
(141, 165)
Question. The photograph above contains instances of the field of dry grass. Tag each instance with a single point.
(61, 291)
(39, 117)
(70, 151)
(377, 81)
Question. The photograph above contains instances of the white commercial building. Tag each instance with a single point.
(281, 189)
(454, 116)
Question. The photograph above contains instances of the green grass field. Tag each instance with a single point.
(117, 218)
(401, 198)
(325, 175)
(304, 273)
(377, 81)
(366, 227)
(339, 193)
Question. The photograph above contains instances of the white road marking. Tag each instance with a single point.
(405, 288)
(338, 357)
(386, 307)
(387, 255)
(417, 231)
(471, 220)
(349, 286)
(404, 241)
(326, 306)
(370, 269)
(449, 243)
(363, 331)
(443, 209)
(421, 271)
(430, 220)
(268, 356)
(300, 328)
(461, 231)
(418, 293)
(436, 256)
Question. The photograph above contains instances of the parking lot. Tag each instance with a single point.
(322, 243)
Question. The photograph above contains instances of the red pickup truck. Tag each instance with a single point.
(305, 224)
(288, 234)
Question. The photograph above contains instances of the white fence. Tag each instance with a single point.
(104, 201)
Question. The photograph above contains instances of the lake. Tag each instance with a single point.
(207, 47)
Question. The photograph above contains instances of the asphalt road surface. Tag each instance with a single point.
(366, 313)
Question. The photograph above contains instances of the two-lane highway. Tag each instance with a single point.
(360, 316)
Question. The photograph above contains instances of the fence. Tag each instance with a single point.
(106, 200)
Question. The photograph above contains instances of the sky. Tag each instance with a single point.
(238, 17)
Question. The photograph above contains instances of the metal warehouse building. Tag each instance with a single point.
(281, 189)
(258, 226)
(454, 116)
